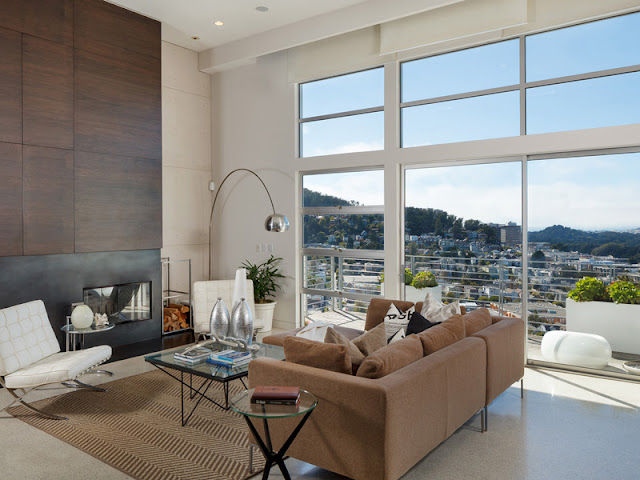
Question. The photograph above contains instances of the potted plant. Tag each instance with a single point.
(265, 277)
(612, 312)
(420, 284)
(408, 278)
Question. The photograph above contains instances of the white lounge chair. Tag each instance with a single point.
(30, 354)
(205, 296)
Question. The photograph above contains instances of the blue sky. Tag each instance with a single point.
(593, 192)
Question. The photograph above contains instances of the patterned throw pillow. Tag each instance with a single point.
(395, 320)
(417, 324)
(436, 311)
(398, 336)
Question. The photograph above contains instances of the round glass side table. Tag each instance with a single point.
(241, 404)
(72, 335)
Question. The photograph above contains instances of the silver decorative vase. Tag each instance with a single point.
(219, 320)
(242, 322)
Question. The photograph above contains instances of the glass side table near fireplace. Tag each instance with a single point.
(75, 336)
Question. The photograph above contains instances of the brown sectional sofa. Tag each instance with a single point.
(372, 429)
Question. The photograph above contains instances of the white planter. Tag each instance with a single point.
(264, 311)
(413, 294)
(619, 324)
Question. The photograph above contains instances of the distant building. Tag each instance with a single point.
(511, 234)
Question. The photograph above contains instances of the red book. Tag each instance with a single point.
(268, 394)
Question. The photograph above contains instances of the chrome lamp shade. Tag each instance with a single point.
(276, 222)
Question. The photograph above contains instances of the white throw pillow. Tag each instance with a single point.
(395, 320)
(398, 336)
(436, 311)
(315, 331)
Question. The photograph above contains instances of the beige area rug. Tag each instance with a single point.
(135, 427)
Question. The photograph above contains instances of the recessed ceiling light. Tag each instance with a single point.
(262, 8)
(218, 23)
(195, 38)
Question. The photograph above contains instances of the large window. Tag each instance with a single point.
(342, 114)
(584, 76)
(343, 245)
(463, 228)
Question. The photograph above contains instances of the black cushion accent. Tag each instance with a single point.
(417, 324)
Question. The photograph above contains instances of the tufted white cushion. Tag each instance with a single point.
(58, 367)
(26, 336)
(205, 295)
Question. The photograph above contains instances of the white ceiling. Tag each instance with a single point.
(183, 19)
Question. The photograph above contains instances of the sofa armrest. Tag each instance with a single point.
(350, 417)
(505, 354)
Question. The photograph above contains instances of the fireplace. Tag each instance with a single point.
(123, 303)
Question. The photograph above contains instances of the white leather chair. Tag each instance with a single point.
(205, 296)
(30, 354)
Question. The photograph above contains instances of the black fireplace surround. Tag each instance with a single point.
(59, 281)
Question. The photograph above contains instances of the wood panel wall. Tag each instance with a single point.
(80, 128)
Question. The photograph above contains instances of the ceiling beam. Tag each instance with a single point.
(354, 17)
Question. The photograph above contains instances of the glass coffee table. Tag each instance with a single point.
(241, 404)
(209, 373)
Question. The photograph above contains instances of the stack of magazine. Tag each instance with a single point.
(229, 358)
(194, 356)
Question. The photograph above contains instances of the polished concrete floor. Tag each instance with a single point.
(566, 427)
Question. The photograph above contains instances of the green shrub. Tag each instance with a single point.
(408, 276)
(624, 292)
(424, 279)
(589, 289)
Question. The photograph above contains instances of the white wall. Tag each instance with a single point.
(252, 121)
(254, 126)
(186, 162)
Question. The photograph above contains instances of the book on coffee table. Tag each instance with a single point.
(193, 356)
(268, 395)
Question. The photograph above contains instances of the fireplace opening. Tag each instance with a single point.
(127, 302)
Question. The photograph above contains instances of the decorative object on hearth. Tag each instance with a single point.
(82, 316)
(275, 222)
(219, 320)
(100, 319)
(242, 322)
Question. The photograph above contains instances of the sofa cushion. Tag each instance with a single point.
(391, 358)
(372, 341)
(378, 308)
(278, 338)
(335, 337)
(326, 356)
(435, 311)
(417, 324)
(447, 333)
(476, 320)
(395, 319)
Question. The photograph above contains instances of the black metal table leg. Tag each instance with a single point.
(270, 456)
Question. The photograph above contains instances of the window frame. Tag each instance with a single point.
(300, 121)
(336, 252)
(522, 86)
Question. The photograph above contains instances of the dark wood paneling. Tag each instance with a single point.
(48, 200)
(11, 199)
(47, 93)
(118, 203)
(112, 31)
(10, 86)
(117, 106)
(50, 19)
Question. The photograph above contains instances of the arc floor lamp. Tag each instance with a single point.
(275, 222)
